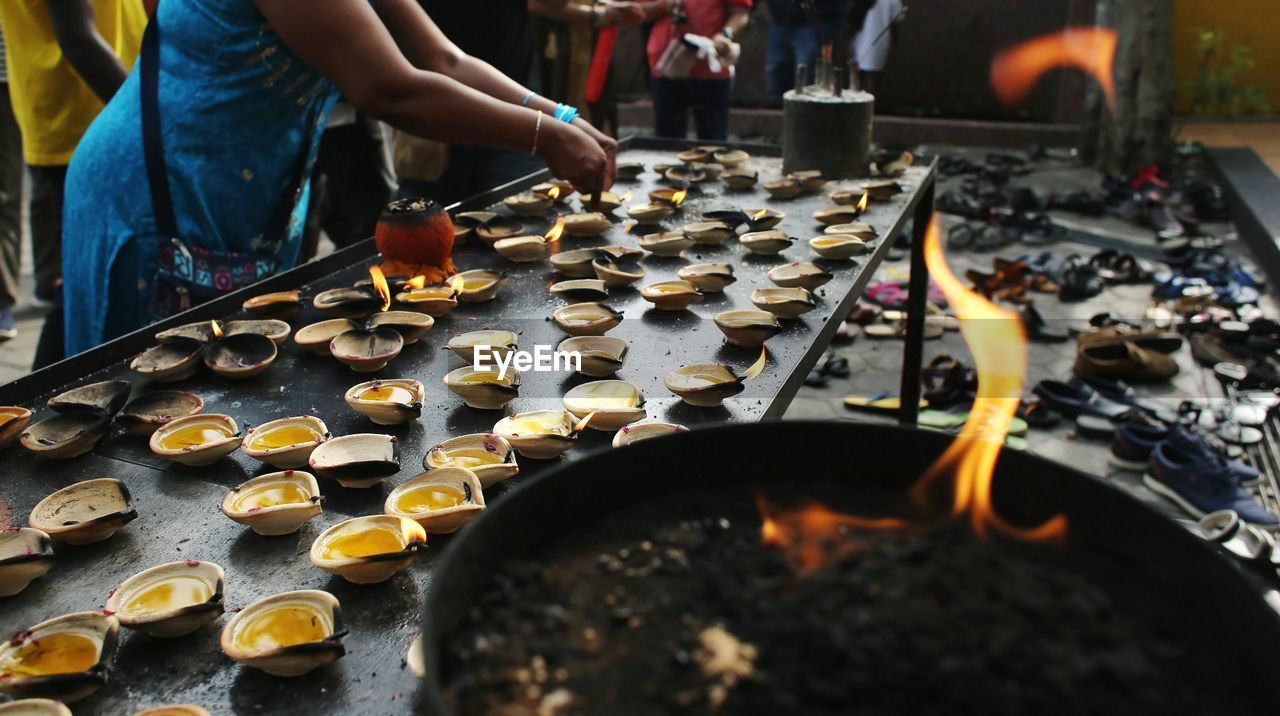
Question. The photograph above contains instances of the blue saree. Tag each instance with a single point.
(240, 114)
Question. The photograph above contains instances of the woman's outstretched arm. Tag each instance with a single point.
(348, 43)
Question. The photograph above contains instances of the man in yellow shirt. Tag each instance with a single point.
(65, 59)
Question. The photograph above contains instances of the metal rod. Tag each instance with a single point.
(802, 77)
(838, 84)
(917, 297)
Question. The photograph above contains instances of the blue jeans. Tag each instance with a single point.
(709, 100)
(790, 45)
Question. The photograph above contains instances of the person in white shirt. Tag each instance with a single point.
(871, 44)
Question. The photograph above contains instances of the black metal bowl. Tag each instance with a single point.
(1125, 546)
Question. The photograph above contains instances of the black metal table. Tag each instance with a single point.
(178, 506)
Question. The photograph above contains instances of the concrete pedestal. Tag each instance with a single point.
(827, 132)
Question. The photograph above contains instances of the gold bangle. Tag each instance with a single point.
(537, 130)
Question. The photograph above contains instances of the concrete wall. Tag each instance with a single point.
(1253, 23)
(939, 64)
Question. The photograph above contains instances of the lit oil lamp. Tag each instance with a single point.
(489, 456)
(357, 461)
(747, 328)
(540, 434)
(708, 277)
(866, 232)
(66, 658)
(85, 512)
(433, 301)
(801, 274)
(574, 264)
(439, 501)
(602, 356)
(881, 189)
(586, 225)
(684, 175)
(388, 402)
(483, 389)
(837, 215)
(522, 249)
(243, 354)
(197, 440)
(369, 550)
(285, 443)
(26, 554)
(287, 634)
(666, 196)
(557, 190)
(479, 285)
(783, 189)
(586, 319)
(278, 331)
(671, 295)
(280, 305)
(147, 413)
(277, 503)
(708, 385)
(783, 302)
(528, 204)
(609, 202)
(611, 403)
(650, 214)
(169, 600)
(630, 434)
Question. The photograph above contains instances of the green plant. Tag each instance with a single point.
(1218, 88)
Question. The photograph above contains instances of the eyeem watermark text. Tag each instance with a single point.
(542, 359)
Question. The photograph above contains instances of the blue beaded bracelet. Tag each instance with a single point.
(565, 113)
(527, 99)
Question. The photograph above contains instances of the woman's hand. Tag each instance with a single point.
(572, 154)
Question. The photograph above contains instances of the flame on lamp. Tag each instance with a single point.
(760, 214)
(1015, 71)
(555, 232)
(678, 197)
(758, 367)
(380, 285)
(216, 329)
(582, 424)
(553, 193)
(862, 203)
(417, 282)
(457, 283)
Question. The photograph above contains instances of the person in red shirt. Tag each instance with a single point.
(684, 79)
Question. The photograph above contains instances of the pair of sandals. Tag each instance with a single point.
(1120, 267)
(893, 294)
(1011, 281)
(830, 366)
(949, 384)
(1080, 280)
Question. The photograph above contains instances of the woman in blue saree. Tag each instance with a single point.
(244, 92)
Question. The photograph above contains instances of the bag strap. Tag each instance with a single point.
(153, 149)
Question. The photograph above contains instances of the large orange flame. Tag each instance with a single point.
(813, 535)
(380, 285)
(998, 341)
(1015, 71)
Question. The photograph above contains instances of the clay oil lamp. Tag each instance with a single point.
(497, 342)
(147, 413)
(643, 431)
(484, 389)
(586, 225)
(489, 456)
(169, 600)
(479, 285)
(709, 233)
(697, 154)
(83, 417)
(287, 442)
(486, 226)
(671, 295)
(278, 331)
(837, 215)
(809, 180)
(881, 189)
(357, 461)
(783, 189)
(801, 274)
(200, 331)
(609, 202)
(366, 350)
(243, 355)
(540, 434)
(667, 196)
(849, 197)
(522, 249)
(388, 402)
(619, 253)
(740, 178)
(710, 170)
(866, 232)
(651, 213)
(175, 710)
(574, 264)
(277, 503)
(765, 243)
(434, 301)
(66, 658)
(892, 165)
(666, 243)
(369, 550)
(586, 319)
(26, 554)
(783, 302)
(708, 385)
(84, 513)
(838, 246)
(601, 356)
(411, 325)
(747, 328)
(246, 353)
(352, 302)
(730, 158)
(440, 501)
(197, 440)
(582, 289)
(628, 171)
(465, 223)
(35, 707)
(286, 634)
(12, 421)
(684, 175)
(557, 190)
(617, 273)
(528, 204)
(763, 219)
(610, 404)
(280, 305)
(708, 277)
(317, 336)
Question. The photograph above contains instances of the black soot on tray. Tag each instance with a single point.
(701, 615)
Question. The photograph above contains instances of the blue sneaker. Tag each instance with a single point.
(1202, 485)
(1131, 449)
(8, 329)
